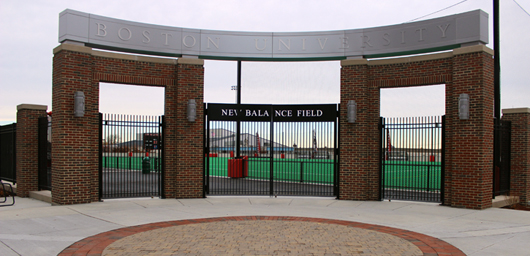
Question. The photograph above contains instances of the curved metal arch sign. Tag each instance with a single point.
(423, 36)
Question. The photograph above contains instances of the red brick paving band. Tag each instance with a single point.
(95, 245)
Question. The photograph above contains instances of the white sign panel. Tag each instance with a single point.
(127, 36)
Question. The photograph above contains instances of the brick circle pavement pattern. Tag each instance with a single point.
(260, 235)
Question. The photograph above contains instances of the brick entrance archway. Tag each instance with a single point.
(469, 143)
(75, 139)
(469, 156)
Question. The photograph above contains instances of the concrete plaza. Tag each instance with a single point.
(33, 227)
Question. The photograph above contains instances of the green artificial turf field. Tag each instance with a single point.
(397, 174)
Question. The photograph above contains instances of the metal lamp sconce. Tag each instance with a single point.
(352, 111)
(79, 104)
(463, 106)
(192, 110)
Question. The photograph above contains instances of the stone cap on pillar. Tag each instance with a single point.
(515, 110)
(472, 49)
(190, 61)
(353, 62)
(31, 107)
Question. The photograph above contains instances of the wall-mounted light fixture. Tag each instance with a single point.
(79, 104)
(192, 110)
(352, 111)
(463, 106)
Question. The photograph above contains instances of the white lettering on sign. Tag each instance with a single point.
(309, 113)
(322, 45)
(366, 41)
(186, 41)
(264, 45)
(258, 113)
(344, 43)
(421, 33)
(228, 112)
(146, 35)
(386, 37)
(216, 44)
(124, 38)
(283, 113)
(167, 37)
(287, 45)
(443, 29)
(102, 29)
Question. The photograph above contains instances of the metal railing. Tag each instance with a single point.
(44, 158)
(131, 156)
(8, 156)
(275, 157)
(502, 158)
(412, 158)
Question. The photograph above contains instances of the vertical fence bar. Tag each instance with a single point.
(380, 158)
(409, 167)
(271, 157)
(139, 124)
(163, 163)
(442, 180)
(205, 176)
(124, 126)
(273, 169)
(121, 167)
(100, 155)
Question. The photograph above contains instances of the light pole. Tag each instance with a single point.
(234, 88)
(238, 102)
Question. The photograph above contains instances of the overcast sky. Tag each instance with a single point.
(29, 33)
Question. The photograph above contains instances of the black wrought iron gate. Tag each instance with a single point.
(271, 150)
(502, 158)
(8, 146)
(412, 158)
(131, 160)
(45, 153)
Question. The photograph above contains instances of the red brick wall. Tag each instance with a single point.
(76, 140)
(184, 139)
(469, 148)
(189, 135)
(27, 148)
(520, 153)
(359, 151)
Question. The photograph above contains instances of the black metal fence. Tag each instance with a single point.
(412, 158)
(45, 153)
(502, 158)
(275, 156)
(131, 156)
(8, 157)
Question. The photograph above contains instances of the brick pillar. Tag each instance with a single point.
(520, 152)
(75, 139)
(184, 139)
(469, 143)
(359, 146)
(27, 149)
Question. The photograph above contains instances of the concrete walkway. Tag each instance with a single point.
(32, 227)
